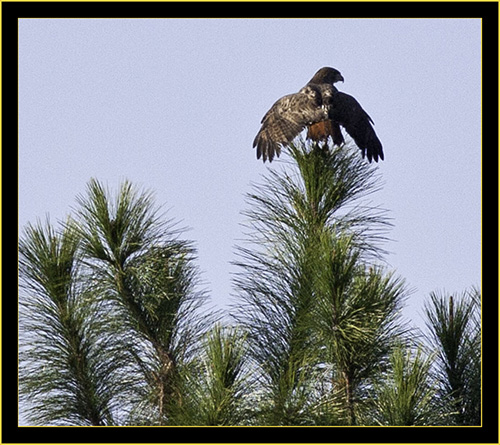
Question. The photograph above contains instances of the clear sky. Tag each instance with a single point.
(173, 105)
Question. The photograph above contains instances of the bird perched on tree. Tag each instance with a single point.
(321, 108)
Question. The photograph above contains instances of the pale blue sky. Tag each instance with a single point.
(173, 105)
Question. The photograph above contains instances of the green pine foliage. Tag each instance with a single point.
(111, 306)
(148, 278)
(407, 394)
(319, 318)
(115, 327)
(454, 324)
(63, 376)
(217, 381)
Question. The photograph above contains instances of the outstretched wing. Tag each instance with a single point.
(286, 119)
(347, 111)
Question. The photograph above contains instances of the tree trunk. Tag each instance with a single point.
(349, 398)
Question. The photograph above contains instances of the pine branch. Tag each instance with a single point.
(308, 304)
(455, 332)
(147, 273)
(408, 394)
(62, 374)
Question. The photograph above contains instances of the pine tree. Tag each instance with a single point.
(216, 383)
(318, 317)
(454, 324)
(407, 394)
(67, 372)
(110, 312)
(114, 327)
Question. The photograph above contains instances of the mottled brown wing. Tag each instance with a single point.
(285, 120)
(347, 111)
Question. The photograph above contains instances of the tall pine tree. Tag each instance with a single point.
(319, 313)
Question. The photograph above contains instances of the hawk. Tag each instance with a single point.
(321, 108)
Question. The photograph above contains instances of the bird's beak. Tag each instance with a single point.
(340, 78)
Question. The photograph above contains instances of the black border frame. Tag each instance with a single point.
(487, 11)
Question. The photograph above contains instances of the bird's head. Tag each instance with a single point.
(327, 75)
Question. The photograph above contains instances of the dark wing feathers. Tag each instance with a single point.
(348, 112)
(320, 107)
